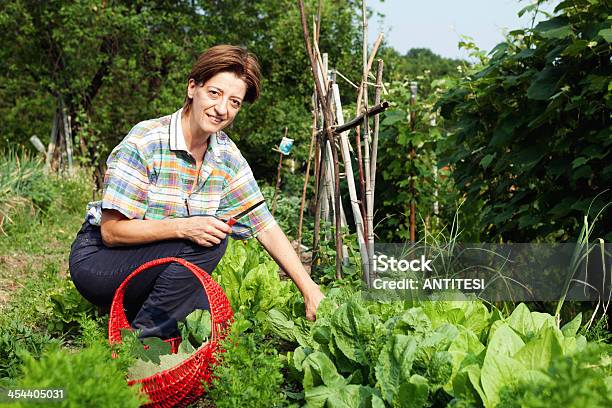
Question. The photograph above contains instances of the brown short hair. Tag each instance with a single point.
(227, 58)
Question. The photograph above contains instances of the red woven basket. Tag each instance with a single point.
(182, 384)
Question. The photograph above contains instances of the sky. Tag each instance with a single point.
(438, 24)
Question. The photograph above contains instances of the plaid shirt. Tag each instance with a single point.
(150, 175)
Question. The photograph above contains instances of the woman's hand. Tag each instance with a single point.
(206, 231)
(279, 247)
(311, 300)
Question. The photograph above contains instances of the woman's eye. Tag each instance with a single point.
(236, 103)
(213, 93)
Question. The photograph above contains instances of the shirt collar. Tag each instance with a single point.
(177, 139)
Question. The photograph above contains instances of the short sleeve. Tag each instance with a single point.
(126, 181)
(241, 193)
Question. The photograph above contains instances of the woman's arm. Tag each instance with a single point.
(118, 230)
(279, 248)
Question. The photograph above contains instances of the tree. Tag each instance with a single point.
(407, 177)
(115, 63)
(532, 127)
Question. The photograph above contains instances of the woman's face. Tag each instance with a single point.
(216, 103)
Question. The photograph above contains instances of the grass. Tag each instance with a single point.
(40, 215)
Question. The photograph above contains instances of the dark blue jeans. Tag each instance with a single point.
(157, 298)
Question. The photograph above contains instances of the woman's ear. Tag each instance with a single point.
(191, 85)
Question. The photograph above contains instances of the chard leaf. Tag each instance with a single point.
(466, 343)
(498, 370)
(439, 340)
(320, 370)
(440, 369)
(347, 396)
(466, 384)
(537, 354)
(297, 330)
(413, 321)
(504, 341)
(280, 325)
(262, 289)
(299, 355)
(142, 369)
(573, 345)
(352, 330)
(413, 394)
(529, 324)
(571, 328)
(394, 365)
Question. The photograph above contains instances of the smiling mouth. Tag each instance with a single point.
(215, 119)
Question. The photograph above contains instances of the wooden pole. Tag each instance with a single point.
(370, 62)
(317, 178)
(319, 196)
(278, 180)
(377, 95)
(67, 135)
(330, 137)
(379, 71)
(412, 156)
(310, 148)
(353, 123)
(348, 170)
(278, 177)
(52, 142)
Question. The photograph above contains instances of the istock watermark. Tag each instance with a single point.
(494, 272)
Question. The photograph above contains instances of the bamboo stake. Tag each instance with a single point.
(330, 137)
(328, 194)
(278, 176)
(277, 187)
(366, 136)
(358, 130)
(319, 197)
(379, 73)
(370, 206)
(412, 156)
(370, 62)
(310, 148)
(329, 175)
(348, 170)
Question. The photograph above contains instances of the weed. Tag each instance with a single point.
(15, 338)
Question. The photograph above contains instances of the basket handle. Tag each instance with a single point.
(220, 309)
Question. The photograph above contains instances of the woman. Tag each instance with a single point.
(168, 186)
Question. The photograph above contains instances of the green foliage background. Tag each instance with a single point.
(531, 139)
(117, 63)
(521, 139)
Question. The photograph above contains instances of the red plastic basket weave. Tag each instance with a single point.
(180, 385)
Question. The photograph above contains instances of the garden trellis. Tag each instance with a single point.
(329, 132)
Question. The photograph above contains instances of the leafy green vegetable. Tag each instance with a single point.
(394, 365)
(146, 368)
(148, 349)
(324, 386)
(195, 330)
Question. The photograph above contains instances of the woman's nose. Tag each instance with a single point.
(221, 107)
